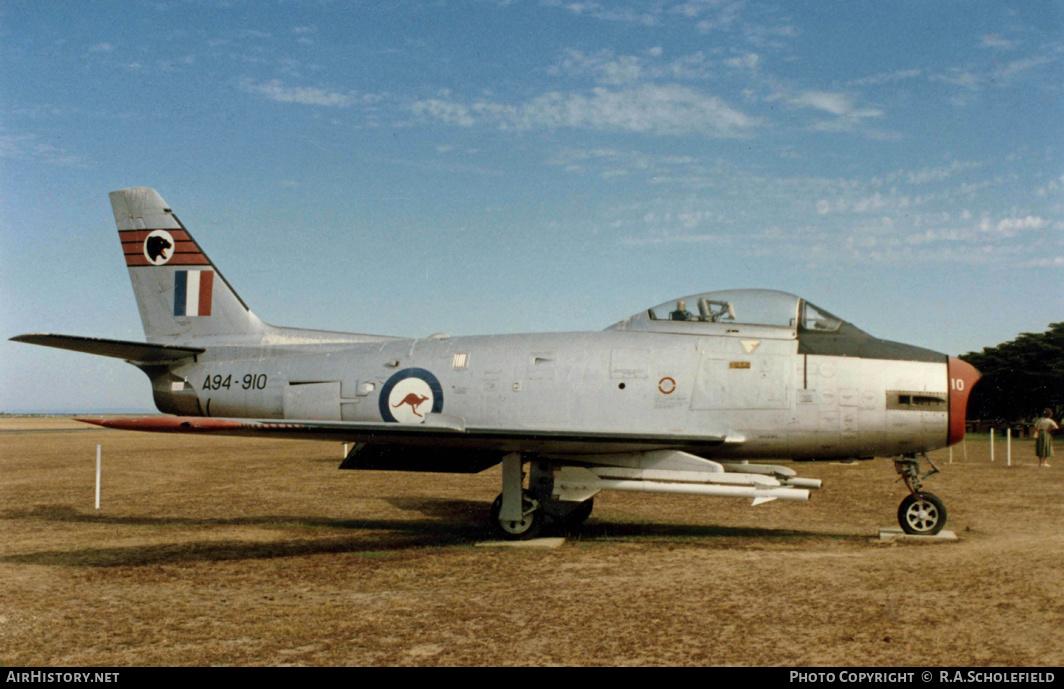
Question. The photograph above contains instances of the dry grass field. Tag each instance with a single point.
(226, 551)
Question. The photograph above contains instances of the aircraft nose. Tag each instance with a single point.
(962, 378)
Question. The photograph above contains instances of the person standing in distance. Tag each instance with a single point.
(1043, 434)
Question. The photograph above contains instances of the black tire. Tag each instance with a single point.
(575, 519)
(523, 530)
(922, 516)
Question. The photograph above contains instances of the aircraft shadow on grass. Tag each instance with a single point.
(447, 523)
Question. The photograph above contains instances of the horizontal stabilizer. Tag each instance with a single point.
(137, 352)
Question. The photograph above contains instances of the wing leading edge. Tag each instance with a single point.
(445, 434)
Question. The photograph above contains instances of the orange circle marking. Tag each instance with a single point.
(666, 385)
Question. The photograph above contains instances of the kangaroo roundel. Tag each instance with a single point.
(158, 247)
(409, 395)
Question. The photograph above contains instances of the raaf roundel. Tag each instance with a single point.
(407, 391)
(677, 398)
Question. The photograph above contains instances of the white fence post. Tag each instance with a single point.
(97, 477)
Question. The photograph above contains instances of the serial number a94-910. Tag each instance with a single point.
(250, 381)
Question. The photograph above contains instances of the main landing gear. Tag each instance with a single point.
(521, 513)
(920, 513)
(525, 526)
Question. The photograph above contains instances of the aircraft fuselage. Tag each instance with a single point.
(772, 401)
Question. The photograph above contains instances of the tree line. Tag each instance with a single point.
(1020, 377)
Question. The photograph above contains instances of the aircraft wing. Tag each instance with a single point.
(137, 352)
(439, 433)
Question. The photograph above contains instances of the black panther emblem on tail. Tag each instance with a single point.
(159, 247)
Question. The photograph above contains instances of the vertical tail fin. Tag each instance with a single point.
(181, 296)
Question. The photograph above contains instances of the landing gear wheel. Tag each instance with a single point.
(922, 514)
(575, 519)
(528, 527)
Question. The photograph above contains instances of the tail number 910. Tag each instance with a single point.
(250, 381)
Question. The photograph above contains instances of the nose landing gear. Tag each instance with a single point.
(920, 513)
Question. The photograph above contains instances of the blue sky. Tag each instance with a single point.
(475, 167)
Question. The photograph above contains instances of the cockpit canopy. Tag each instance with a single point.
(742, 307)
(767, 314)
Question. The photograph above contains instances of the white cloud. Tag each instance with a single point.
(666, 110)
(994, 41)
(604, 67)
(1010, 227)
(1002, 74)
(847, 117)
(665, 237)
(834, 103)
(307, 95)
(1054, 262)
(871, 203)
(27, 146)
(1017, 66)
(830, 219)
(886, 77)
(711, 14)
(958, 77)
(928, 175)
(982, 235)
(610, 163)
(1050, 187)
(608, 11)
(747, 61)
(446, 111)
(939, 174)
(769, 36)
(693, 66)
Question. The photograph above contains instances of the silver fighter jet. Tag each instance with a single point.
(677, 398)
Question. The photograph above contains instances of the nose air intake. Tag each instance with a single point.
(962, 378)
